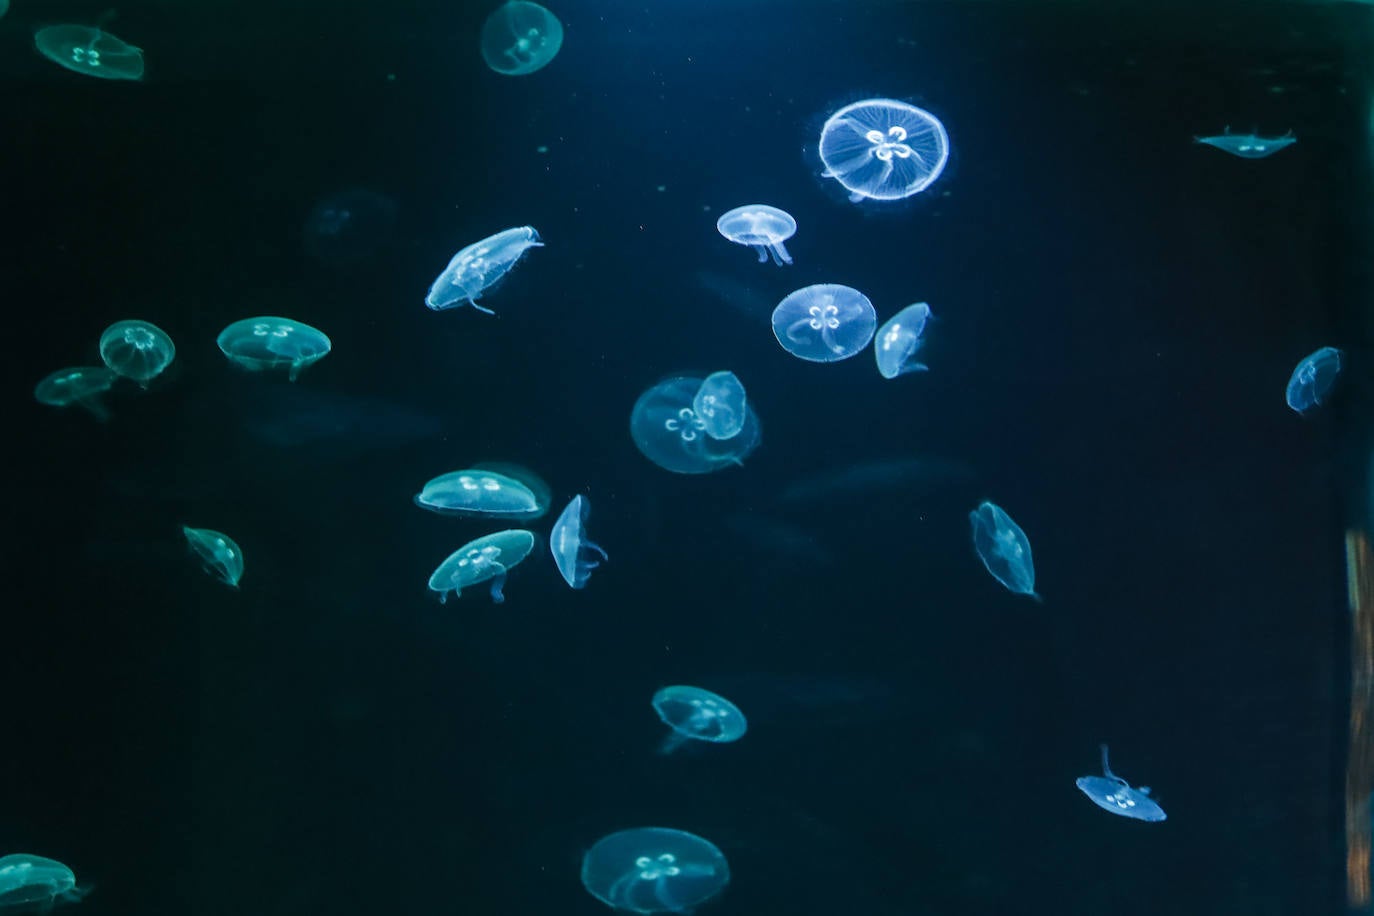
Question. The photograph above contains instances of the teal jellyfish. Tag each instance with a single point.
(654, 870)
(480, 266)
(882, 149)
(4, 7)
(720, 403)
(487, 558)
(1004, 548)
(217, 551)
(520, 37)
(695, 714)
(572, 551)
(1247, 146)
(89, 51)
(668, 431)
(899, 340)
(137, 350)
(260, 344)
(80, 385)
(33, 882)
(481, 493)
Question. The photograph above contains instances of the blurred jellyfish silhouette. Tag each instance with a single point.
(654, 870)
(520, 37)
(762, 228)
(90, 51)
(667, 430)
(1247, 146)
(882, 149)
(29, 883)
(79, 385)
(350, 226)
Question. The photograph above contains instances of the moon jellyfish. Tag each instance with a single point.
(520, 37)
(4, 7)
(264, 343)
(479, 267)
(479, 492)
(654, 870)
(1112, 793)
(695, 714)
(665, 426)
(1247, 146)
(349, 226)
(824, 323)
(572, 552)
(137, 350)
(899, 339)
(721, 405)
(90, 51)
(35, 882)
(487, 558)
(218, 553)
(1312, 379)
(80, 385)
(881, 149)
(761, 227)
(1003, 548)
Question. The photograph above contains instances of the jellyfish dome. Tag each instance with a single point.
(761, 227)
(80, 385)
(572, 551)
(266, 343)
(218, 553)
(28, 881)
(90, 52)
(899, 339)
(1313, 378)
(720, 403)
(520, 37)
(824, 323)
(480, 266)
(654, 870)
(481, 493)
(668, 431)
(695, 714)
(487, 558)
(137, 350)
(882, 149)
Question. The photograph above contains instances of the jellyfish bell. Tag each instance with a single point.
(825, 322)
(654, 870)
(721, 404)
(487, 558)
(520, 37)
(571, 549)
(760, 227)
(883, 149)
(137, 350)
(29, 882)
(697, 714)
(219, 554)
(668, 431)
(268, 343)
(479, 492)
(82, 386)
(479, 267)
(90, 51)
(899, 339)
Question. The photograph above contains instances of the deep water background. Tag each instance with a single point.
(1118, 311)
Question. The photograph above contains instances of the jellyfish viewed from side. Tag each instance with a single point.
(1003, 548)
(79, 385)
(824, 323)
(1247, 146)
(1310, 384)
(520, 37)
(479, 267)
(90, 51)
(270, 343)
(721, 405)
(667, 430)
(695, 714)
(1112, 793)
(478, 492)
(573, 554)
(29, 882)
(899, 339)
(882, 149)
(762, 228)
(654, 870)
(137, 350)
(218, 553)
(487, 558)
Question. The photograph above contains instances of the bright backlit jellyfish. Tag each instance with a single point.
(80, 385)
(761, 227)
(1312, 379)
(479, 492)
(267, 342)
(520, 37)
(479, 267)
(1003, 548)
(28, 881)
(218, 553)
(824, 323)
(695, 714)
(90, 51)
(572, 552)
(654, 870)
(1112, 793)
(899, 339)
(350, 226)
(720, 404)
(487, 558)
(881, 149)
(1247, 146)
(137, 350)
(666, 428)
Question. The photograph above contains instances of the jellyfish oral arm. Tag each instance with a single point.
(472, 301)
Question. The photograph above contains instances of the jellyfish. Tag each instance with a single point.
(761, 227)
(654, 870)
(824, 323)
(264, 343)
(572, 552)
(881, 149)
(520, 37)
(80, 385)
(4, 7)
(350, 226)
(487, 558)
(721, 405)
(137, 350)
(479, 267)
(1003, 548)
(695, 714)
(218, 553)
(666, 428)
(1247, 146)
(899, 340)
(33, 882)
(1312, 379)
(1112, 793)
(482, 493)
(90, 51)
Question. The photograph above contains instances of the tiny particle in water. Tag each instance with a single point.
(541, 149)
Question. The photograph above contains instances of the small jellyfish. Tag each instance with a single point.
(80, 385)
(824, 323)
(1003, 548)
(137, 350)
(1247, 146)
(881, 149)
(218, 553)
(482, 493)
(349, 227)
(33, 882)
(720, 404)
(1311, 382)
(666, 428)
(267, 342)
(761, 227)
(1112, 793)
(695, 714)
(487, 558)
(520, 37)
(479, 267)
(572, 552)
(90, 51)
(899, 340)
(654, 870)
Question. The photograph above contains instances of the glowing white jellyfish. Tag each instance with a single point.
(882, 149)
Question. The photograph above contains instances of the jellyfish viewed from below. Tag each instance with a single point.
(667, 430)
(89, 51)
(721, 406)
(79, 385)
(1247, 146)
(479, 267)
(30, 882)
(269, 343)
(899, 339)
(762, 228)
(882, 149)
(573, 554)
(481, 493)
(824, 323)
(137, 350)
(520, 37)
(695, 714)
(488, 558)
(1112, 793)
(654, 870)
(218, 553)
(1310, 384)
(1003, 548)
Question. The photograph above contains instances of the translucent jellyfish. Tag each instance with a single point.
(695, 714)
(349, 226)
(487, 558)
(1112, 793)
(1312, 379)
(824, 323)
(80, 385)
(654, 870)
(666, 428)
(761, 227)
(479, 267)
(720, 404)
(1003, 548)
(479, 492)
(90, 51)
(4, 7)
(572, 552)
(264, 343)
(35, 882)
(881, 149)
(1247, 146)
(899, 340)
(520, 37)
(137, 350)
(217, 551)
